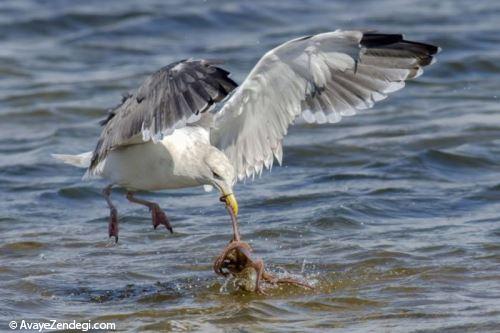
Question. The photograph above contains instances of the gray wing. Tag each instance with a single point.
(168, 99)
(321, 77)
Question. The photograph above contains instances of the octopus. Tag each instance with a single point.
(236, 260)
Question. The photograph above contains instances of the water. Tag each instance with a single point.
(393, 213)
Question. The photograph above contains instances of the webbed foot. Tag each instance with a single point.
(159, 217)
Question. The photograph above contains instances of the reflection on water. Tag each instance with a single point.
(392, 214)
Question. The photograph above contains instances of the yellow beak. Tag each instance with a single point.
(230, 201)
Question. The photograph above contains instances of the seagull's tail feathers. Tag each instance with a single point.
(80, 160)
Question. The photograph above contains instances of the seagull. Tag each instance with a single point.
(189, 124)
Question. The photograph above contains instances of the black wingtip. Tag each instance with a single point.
(375, 39)
(398, 46)
(431, 49)
(380, 40)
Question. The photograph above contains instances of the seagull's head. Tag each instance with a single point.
(220, 173)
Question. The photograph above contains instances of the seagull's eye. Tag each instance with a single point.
(216, 175)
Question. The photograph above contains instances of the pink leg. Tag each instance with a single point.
(158, 215)
(113, 215)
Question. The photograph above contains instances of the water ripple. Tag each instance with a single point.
(391, 214)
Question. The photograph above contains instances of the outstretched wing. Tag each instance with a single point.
(168, 99)
(321, 77)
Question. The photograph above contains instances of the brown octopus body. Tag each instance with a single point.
(236, 259)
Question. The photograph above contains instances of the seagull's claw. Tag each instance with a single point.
(159, 217)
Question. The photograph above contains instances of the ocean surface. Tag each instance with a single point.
(393, 214)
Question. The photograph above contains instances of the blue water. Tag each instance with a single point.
(393, 213)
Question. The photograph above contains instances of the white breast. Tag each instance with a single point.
(174, 162)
